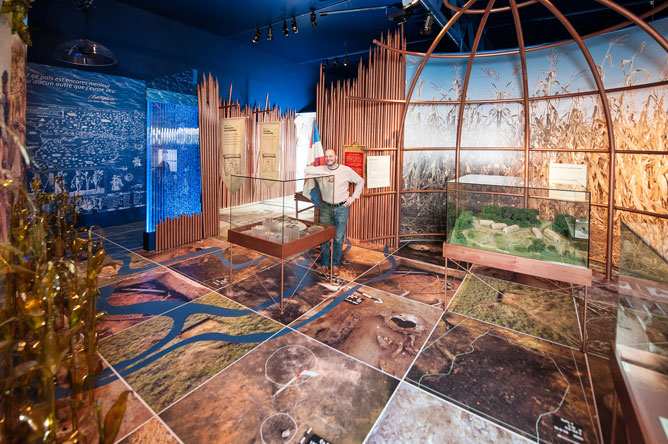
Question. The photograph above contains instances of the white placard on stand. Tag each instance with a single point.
(377, 171)
(567, 176)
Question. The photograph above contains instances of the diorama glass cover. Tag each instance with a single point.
(279, 217)
(497, 214)
(642, 313)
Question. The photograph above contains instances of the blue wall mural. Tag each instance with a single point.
(173, 157)
(89, 128)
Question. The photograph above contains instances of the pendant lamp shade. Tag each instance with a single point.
(84, 52)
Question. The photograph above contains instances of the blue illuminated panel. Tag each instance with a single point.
(174, 184)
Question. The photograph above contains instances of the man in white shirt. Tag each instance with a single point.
(336, 212)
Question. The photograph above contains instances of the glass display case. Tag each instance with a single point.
(497, 215)
(275, 224)
(640, 354)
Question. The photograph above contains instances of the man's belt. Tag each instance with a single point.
(336, 204)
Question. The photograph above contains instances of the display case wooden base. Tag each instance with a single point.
(571, 274)
(282, 251)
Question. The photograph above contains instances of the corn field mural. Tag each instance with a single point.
(575, 122)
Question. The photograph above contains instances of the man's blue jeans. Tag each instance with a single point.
(337, 216)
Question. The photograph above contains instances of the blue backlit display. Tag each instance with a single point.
(174, 184)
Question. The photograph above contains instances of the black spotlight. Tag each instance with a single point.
(336, 61)
(313, 17)
(345, 61)
(270, 34)
(293, 23)
(256, 38)
(326, 63)
(286, 32)
(426, 28)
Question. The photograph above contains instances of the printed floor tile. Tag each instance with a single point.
(289, 387)
(303, 290)
(106, 392)
(601, 327)
(537, 312)
(381, 329)
(407, 278)
(530, 386)
(168, 356)
(211, 267)
(153, 432)
(603, 390)
(140, 297)
(440, 422)
(430, 252)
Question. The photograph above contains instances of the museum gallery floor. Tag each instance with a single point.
(371, 357)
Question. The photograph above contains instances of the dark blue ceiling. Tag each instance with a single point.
(348, 27)
(345, 27)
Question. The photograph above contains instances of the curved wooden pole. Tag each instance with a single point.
(608, 120)
(404, 111)
(525, 88)
(465, 86)
(447, 4)
(637, 21)
(530, 49)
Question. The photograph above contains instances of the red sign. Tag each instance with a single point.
(355, 161)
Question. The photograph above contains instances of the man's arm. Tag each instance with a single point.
(313, 170)
(359, 186)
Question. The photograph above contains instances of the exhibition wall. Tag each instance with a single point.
(566, 125)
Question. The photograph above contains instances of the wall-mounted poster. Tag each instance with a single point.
(90, 129)
(353, 157)
(377, 171)
(270, 133)
(233, 151)
(567, 176)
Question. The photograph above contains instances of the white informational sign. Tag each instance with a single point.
(233, 151)
(270, 133)
(377, 171)
(567, 176)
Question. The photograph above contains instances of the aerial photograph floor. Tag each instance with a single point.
(386, 352)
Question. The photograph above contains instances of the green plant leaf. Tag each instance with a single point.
(113, 419)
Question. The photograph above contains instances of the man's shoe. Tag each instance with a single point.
(324, 270)
(335, 271)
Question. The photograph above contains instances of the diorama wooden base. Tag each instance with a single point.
(571, 274)
(284, 250)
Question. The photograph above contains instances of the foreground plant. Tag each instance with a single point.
(48, 319)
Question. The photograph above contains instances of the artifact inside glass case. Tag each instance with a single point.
(538, 223)
(642, 313)
(279, 217)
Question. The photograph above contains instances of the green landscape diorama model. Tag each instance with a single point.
(519, 231)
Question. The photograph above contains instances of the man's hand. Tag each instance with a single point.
(349, 201)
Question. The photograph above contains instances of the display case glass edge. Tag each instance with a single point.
(271, 225)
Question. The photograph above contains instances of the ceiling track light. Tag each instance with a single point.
(336, 61)
(270, 34)
(286, 31)
(345, 61)
(428, 22)
(326, 63)
(313, 18)
(293, 24)
(256, 38)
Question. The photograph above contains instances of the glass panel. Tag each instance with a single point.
(430, 126)
(276, 218)
(538, 223)
(493, 125)
(427, 170)
(492, 162)
(498, 77)
(422, 213)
